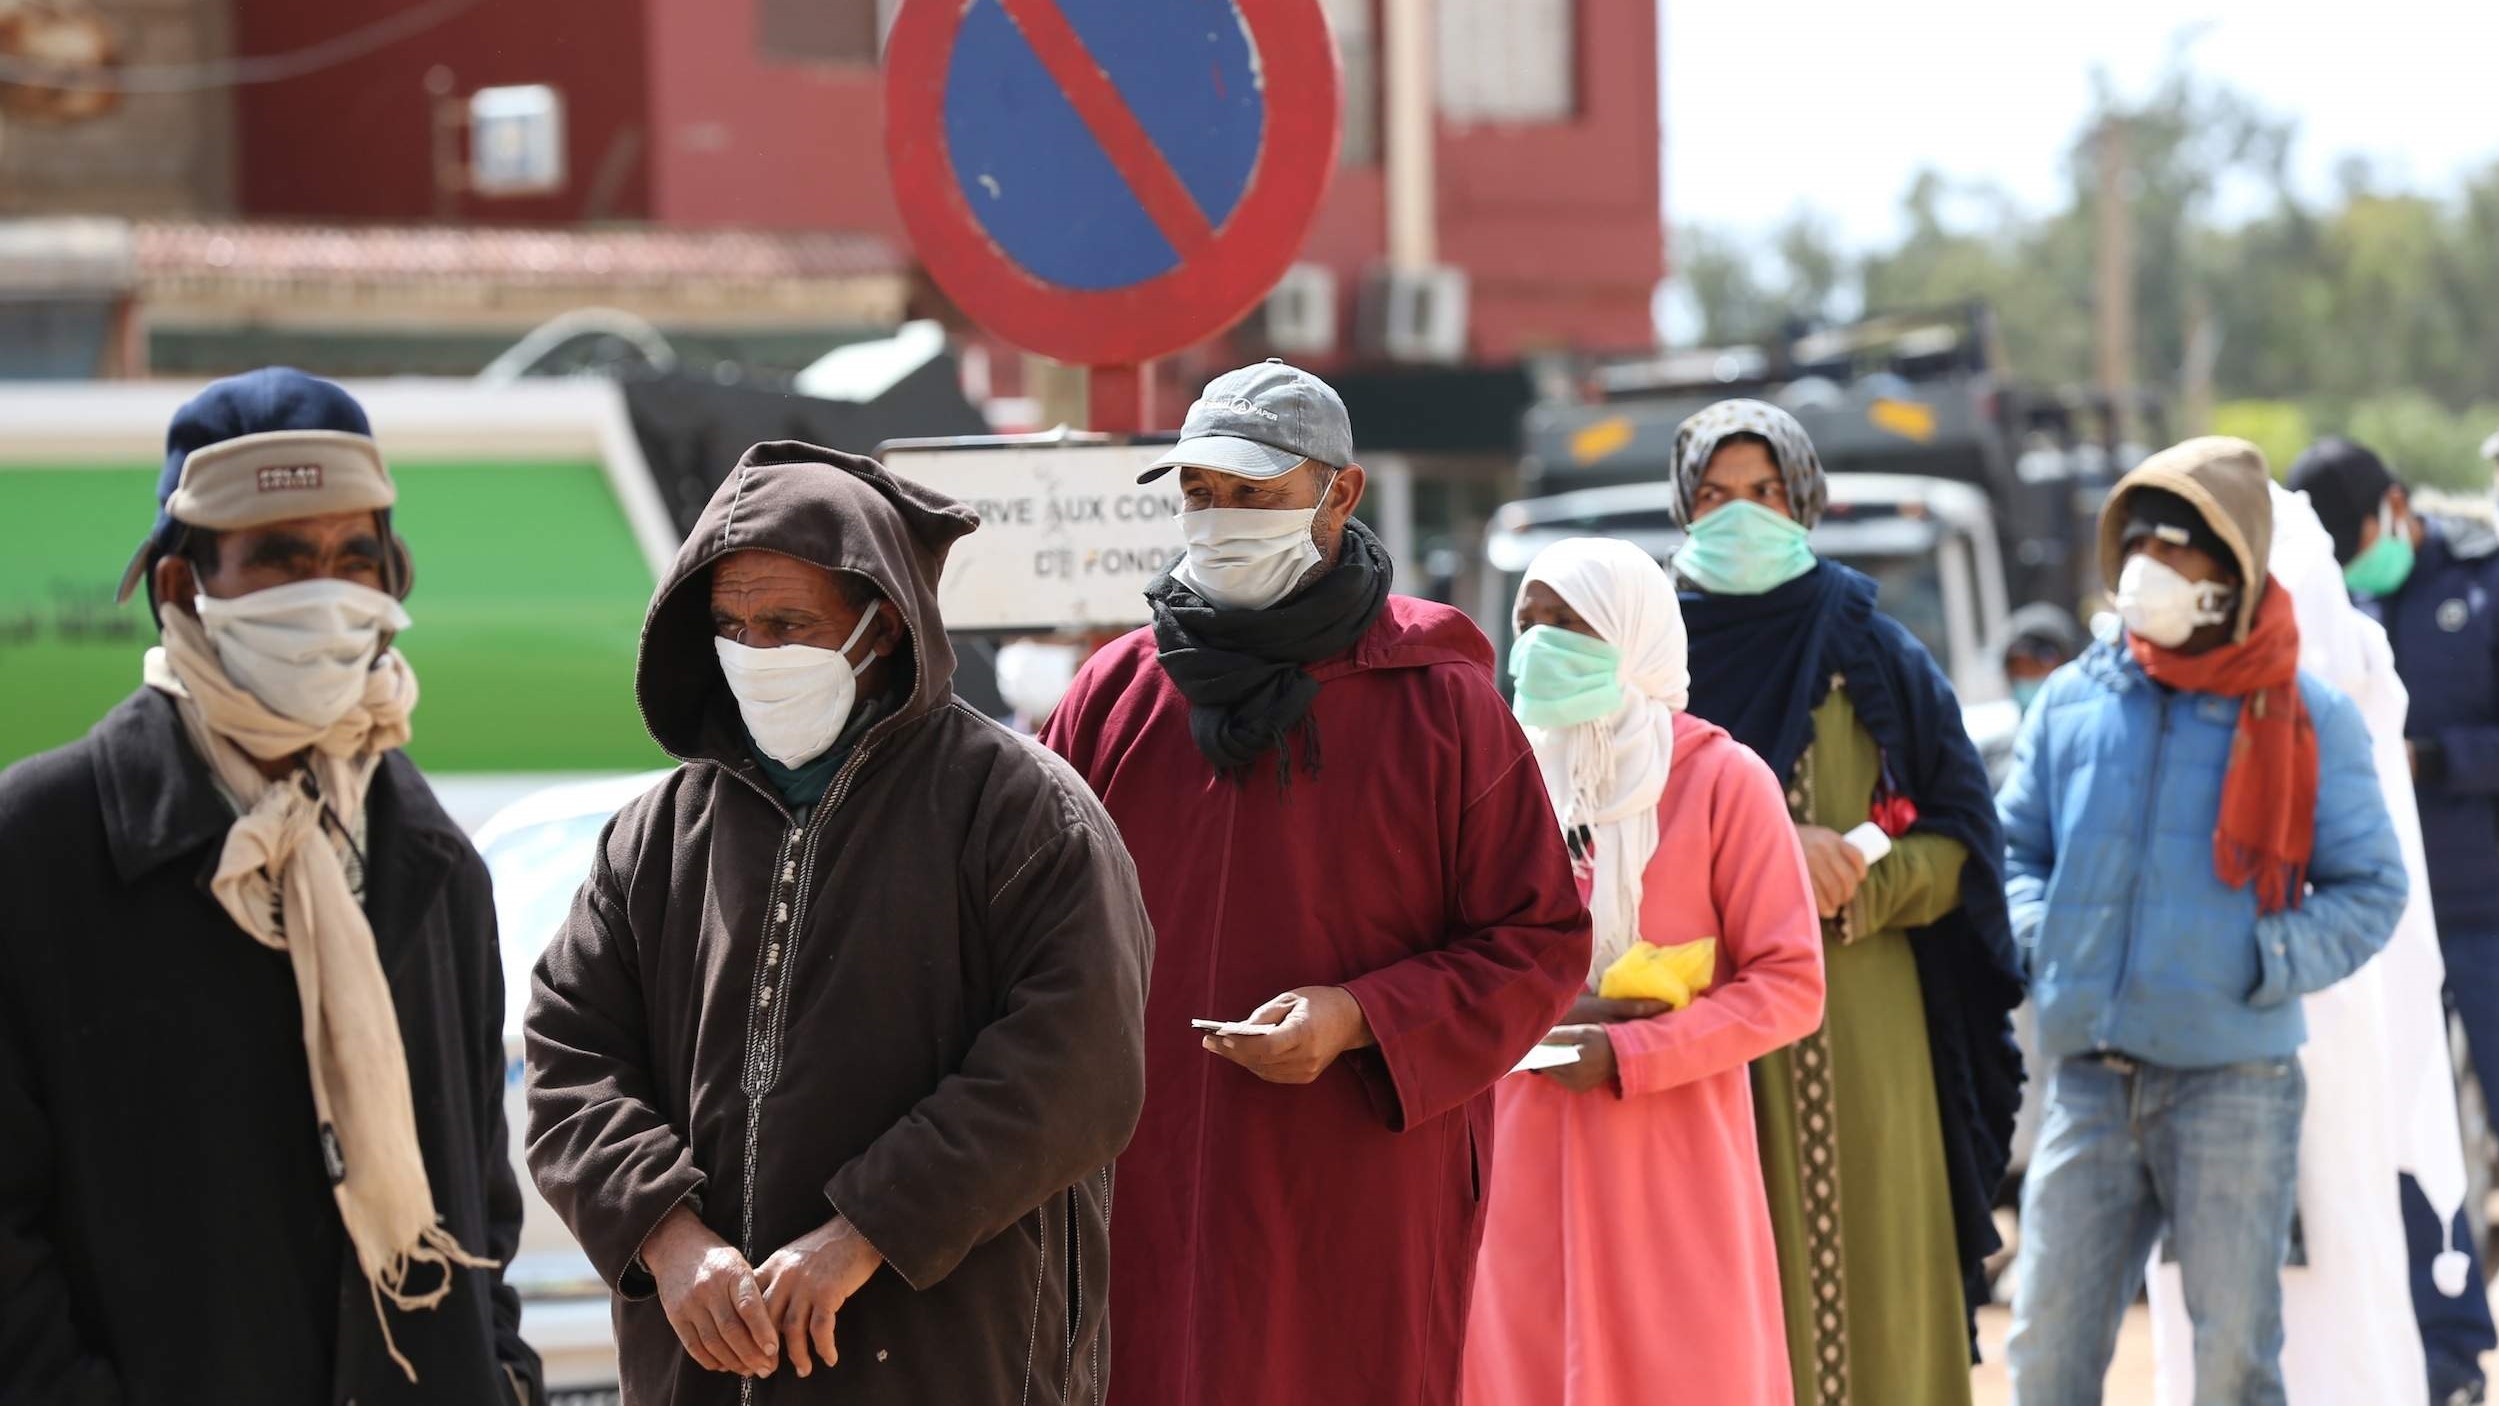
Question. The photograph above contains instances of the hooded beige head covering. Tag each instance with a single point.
(2224, 479)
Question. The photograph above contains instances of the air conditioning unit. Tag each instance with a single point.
(1415, 315)
(1300, 315)
(516, 140)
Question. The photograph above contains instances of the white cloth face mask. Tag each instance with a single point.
(303, 649)
(1248, 558)
(795, 698)
(2164, 607)
(1033, 675)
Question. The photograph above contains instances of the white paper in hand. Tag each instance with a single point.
(1869, 840)
(1546, 1057)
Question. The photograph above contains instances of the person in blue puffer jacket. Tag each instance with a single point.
(2195, 837)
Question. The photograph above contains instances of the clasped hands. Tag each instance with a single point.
(736, 1318)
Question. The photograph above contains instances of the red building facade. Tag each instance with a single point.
(767, 114)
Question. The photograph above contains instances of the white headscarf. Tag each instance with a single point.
(1605, 777)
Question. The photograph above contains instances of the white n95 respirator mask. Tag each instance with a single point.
(1033, 675)
(303, 649)
(795, 698)
(2165, 608)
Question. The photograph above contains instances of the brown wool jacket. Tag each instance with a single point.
(921, 1007)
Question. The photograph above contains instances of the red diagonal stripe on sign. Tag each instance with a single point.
(1133, 154)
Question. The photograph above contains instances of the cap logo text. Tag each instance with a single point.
(282, 478)
(1238, 405)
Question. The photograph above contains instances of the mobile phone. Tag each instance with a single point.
(1226, 1027)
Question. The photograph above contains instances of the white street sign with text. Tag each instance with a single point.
(1068, 539)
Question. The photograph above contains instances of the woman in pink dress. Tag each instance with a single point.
(1627, 1252)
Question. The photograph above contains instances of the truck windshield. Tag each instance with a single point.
(1911, 591)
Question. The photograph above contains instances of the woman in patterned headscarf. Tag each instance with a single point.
(1884, 1132)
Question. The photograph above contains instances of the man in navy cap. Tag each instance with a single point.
(251, 1117)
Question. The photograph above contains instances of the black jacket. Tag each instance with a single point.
(2444, 626)
(922, 1007)
(167, 1231)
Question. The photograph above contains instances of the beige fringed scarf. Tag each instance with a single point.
(289, 889)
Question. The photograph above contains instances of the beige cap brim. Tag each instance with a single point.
(257, 479)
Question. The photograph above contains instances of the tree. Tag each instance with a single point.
(1727, 294)
(2376, 312)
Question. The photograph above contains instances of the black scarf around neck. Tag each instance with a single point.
(1244, 671)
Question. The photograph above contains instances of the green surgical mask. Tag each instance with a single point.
(1564, 678)
(1744, 549)
(2387, 564)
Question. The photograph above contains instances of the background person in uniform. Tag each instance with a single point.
(1627, 1248)
(827, 1066)
(2040, 638)
(2430, 577)
(251, 1011)
(1884, 1132)
(1346, 848)
(2195, 838)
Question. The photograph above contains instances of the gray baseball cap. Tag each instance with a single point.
(1261, 422)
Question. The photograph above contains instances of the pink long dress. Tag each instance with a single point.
(1627, 1254)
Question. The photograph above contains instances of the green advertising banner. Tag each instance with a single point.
(529, 597)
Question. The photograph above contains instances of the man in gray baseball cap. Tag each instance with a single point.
(1266, 461)
(1376, 940)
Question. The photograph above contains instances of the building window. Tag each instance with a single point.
(1358, 56)
(824, 31)
(1508, 61)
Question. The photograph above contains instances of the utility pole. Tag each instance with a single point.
(2114, 272)
(1410, 108)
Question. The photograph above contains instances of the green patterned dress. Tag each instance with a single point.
(1851, 1144)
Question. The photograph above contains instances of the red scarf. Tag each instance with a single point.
(2269, 795)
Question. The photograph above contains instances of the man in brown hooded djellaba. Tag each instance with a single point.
(829, 1062)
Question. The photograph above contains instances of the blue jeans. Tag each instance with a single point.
(2127, 1150)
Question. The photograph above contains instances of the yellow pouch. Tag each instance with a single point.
(1674, 974)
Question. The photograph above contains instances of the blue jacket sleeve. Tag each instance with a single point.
(2357, 883)
(2024, 808)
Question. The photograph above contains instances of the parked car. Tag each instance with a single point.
(539, 850)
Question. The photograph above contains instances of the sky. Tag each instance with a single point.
(1837, 104)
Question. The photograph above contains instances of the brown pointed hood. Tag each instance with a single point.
(840, 511)
(2227, 482)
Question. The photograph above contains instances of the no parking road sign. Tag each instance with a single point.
(1106, 181)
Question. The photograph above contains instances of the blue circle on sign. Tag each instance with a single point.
(1024, 157)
